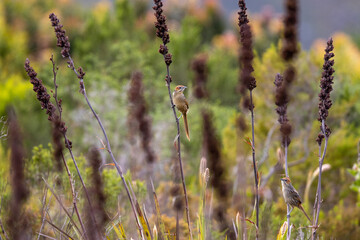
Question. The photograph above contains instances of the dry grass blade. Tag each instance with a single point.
(43, 212)
(143, 222)
(139, 221)
(62, 206)
(122, 231)
(147, 221)
(43, 235)
(160, 223)
(61, 231)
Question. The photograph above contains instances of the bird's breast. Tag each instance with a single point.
(180, 102)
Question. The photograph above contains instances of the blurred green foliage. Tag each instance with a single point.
(355, 171)
(112, 41)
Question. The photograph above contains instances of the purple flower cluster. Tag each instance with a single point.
(162, 31)
(41, 91)
(289, 49)
(62, 39)
(281, 100)
(138, 119)
(326, 87)
(96, 192)
(246, 56)
(17, 221)
(200, 69)
(59, 127)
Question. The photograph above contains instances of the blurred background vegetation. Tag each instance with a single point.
(112, 40)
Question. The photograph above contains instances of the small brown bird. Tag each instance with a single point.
(182, 105)
(291, 196)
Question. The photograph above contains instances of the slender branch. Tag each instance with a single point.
(68, 146)
(43, 212)
(287, 175)
(50, 219)
(108, 146)
(318, 192)
(179, 151)
(254, 161)
(73, 194)
(46, 236)
(325, 104)
(61, 231)
(316, 196)
(163, 33)
(62, 205)
(63, 42)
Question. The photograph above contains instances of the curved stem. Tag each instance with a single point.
(108, 147)
(68, 146)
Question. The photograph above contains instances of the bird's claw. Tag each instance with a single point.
(179, 116)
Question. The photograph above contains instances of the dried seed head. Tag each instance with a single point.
(62, 39)
(246, 56)
(326, 82)
(289, 49)
(206, 176)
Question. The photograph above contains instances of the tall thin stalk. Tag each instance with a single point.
(57, 123)
(281, 101)
(254, 161)
(248, 82)
(287, 205)
(63, 42)
(324, 106)
(162, 32)
(80, 74)
(179, 154)
(321, 161)
(288, 53)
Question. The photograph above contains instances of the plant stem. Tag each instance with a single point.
(254, 163)
(68, 146)
(287, 205)
(318, 192)
(108, 147)
(179, 151)
(74, 195)
(62, 206)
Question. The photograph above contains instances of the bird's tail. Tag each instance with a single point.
(186, 126)
(302, 209)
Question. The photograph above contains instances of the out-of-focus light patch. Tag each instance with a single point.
(101, 10)
(227, 41)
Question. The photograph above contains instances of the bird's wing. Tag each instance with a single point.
(187, 104)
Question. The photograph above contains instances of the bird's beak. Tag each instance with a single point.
(184, 87)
